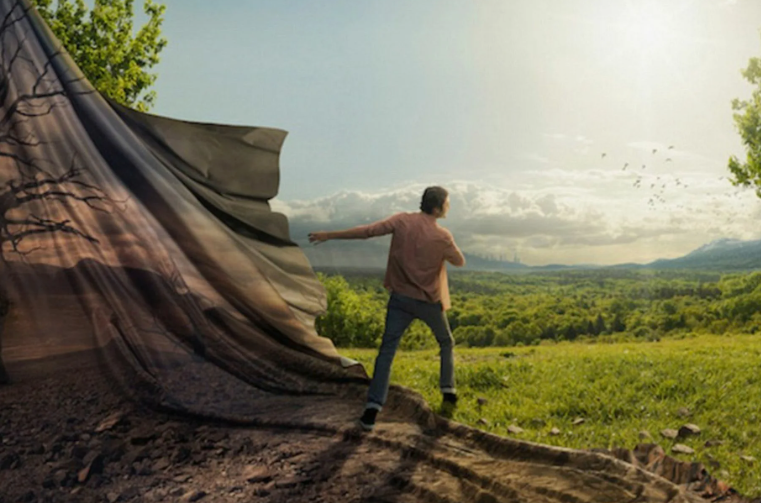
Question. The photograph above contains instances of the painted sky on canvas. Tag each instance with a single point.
(539, 115)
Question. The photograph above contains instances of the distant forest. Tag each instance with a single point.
(510, 309)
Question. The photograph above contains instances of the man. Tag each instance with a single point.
(416, 277)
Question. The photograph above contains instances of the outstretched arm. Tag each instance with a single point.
(378, 228)
(353, 233)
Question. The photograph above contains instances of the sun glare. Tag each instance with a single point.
(647, 30)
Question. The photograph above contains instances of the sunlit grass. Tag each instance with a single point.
(619, 389)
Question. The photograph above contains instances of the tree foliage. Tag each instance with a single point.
(747, 119)
(114, 58)
(495, 309)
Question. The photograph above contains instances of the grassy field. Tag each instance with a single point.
(619, 390)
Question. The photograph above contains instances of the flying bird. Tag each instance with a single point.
(670, 147)
(655, 150)
(668, 159)
(625, 166)
(602, 156)
(643, 166)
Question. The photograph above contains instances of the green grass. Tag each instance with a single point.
(619, 389)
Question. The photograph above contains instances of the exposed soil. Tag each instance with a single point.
(75, 437)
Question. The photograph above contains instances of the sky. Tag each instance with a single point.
(539, 116)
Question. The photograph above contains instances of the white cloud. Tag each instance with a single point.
(600, 225)
(534, 158)
(555, 136)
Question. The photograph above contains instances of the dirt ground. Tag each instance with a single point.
(75, 438)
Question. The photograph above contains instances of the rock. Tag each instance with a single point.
(10, 461)
(60, 477)
(688, 430)
(94, 465)
(265, 490)
(142, 468)
(181, 454)
(109, 422)
(247, 448)
(682, 449)
(515, 430)
(481, 401)
(36, 449)
(112, 497)
(217, 436)
(645, 435)
(28, 497)
(483, 422)
(161, 464)
(78, 451)
(287, 482)
(193, 495)
(669, 433)
(253, 474)
(748, 459)
(683, 412)
(713, 443)
(143, 438)
(65, 438)
(137, 455)
(129, 493)
(554, 432)
(578, 421)
(114, 449)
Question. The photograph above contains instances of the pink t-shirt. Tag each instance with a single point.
(419, 248)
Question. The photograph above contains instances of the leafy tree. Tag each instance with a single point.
(352, 318)
(747, 118)
(114, 60)
(506, 310)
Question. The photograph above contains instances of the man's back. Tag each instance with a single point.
(417, 278)
(419, 248)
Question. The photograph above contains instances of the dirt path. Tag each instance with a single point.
(75, 439)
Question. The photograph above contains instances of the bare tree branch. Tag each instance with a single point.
(8, 22)
(44, 225)
(44, 94)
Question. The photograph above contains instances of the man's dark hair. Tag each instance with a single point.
(433, 197)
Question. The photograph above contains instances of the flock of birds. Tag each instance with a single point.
(659, 183)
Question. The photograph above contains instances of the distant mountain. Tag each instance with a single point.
(476, 263)
(721, 254)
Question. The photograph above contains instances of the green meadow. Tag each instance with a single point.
(627, 351)
(619, 389)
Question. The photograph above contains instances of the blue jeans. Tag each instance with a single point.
(401, 311)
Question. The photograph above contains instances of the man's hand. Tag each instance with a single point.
(318, 237)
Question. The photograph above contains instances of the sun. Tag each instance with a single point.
(648, 30)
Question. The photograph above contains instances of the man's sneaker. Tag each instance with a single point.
(367, 421)
(450, 399)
